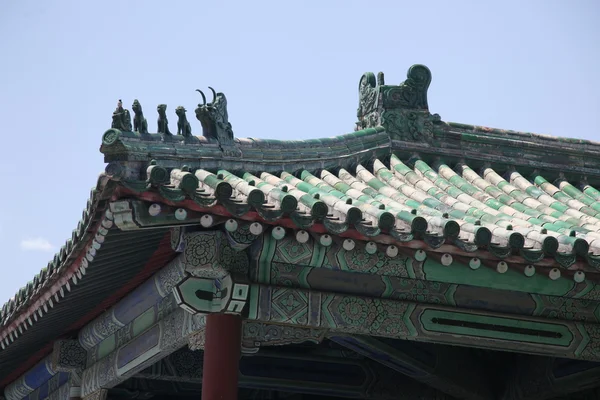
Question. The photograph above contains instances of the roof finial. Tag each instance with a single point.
(376, 97)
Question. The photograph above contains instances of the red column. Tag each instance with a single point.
(222, 351)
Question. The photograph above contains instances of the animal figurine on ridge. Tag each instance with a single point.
(139, 122)
(214, 118)
(163, 122)
(183, 126)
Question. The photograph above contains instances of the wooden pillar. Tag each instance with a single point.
(222, 352)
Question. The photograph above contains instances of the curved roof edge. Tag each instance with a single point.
(33, 299)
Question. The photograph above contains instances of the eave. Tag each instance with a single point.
(97, 267)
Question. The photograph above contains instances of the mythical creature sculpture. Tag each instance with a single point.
(121, 119)
(368, 92)
(412, 93)
(163, 122)
(213, 117)
(183, 126)
(139, 122)
(401, 109)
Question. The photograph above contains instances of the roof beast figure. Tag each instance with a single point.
(139, 122)
(213, 117)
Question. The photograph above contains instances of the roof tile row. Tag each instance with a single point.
(407, 201)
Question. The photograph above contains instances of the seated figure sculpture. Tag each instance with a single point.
(121, 119)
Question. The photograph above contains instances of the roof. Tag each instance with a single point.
(403, 177)
(504, 212)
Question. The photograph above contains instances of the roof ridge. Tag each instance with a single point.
(485, 130)
(391, 118)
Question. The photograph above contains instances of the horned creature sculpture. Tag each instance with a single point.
(139, 122)
(213, 117)
(163, 122)
(183, 126)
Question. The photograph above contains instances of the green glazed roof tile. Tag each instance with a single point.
(307, 204)
(591, 192)
(282, 200)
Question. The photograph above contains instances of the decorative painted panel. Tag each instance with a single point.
(142, 322)
(32, 380)
(68, 355)
(164, 337)
(438, 324)
(433, 292)
(209, 255)
(144, 297)
(50, 387)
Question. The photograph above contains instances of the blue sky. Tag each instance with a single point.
(289, 70)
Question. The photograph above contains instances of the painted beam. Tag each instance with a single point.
(449, 369)
(256, 335)
(31, 380)
(392, 282)
(300, 372)
(137, 328)
(159, 340)
(144, 297)
(48, 375)
(352, 314)
(50, 386)
(302, 261)
(132, 330)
